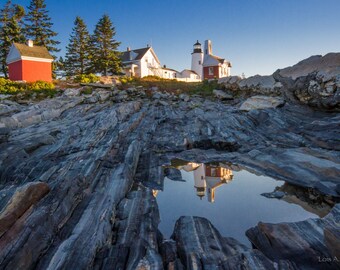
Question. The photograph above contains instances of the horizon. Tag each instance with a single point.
(285, 32)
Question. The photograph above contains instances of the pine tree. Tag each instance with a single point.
(78, 50)
(105, 57)
(10, 30)
(59, 67)
(38, 26)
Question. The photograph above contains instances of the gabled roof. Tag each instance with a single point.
(213, 60)
(35, 51)
(165, 68)
(125, 56)
(138, 55)
(189, 70)
(219, 59)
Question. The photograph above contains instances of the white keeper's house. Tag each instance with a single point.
(204, 65)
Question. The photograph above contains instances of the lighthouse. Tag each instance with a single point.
(197, 59)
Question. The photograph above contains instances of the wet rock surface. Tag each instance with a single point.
(100, 155)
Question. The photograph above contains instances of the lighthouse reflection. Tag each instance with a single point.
(208, 178)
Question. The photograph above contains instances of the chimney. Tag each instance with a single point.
(207, 47)
(148, 45)
(128, 49)
(164, 66)
(30, 43)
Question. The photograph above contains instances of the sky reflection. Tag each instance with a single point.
(231, 200)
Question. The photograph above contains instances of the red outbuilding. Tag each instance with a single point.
(214, 67)
(29, 63)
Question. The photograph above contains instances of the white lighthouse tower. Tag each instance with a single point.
(197, 59)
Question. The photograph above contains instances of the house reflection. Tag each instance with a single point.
(154, 192)
(208, 178)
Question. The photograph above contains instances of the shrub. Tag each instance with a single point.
(86, 78)
(87, 90)
(10, 87)
(40, 85)
(125, 80)
(27, 90)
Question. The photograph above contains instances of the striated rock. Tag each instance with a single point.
(261, 84)
(261, 102)
(222, 95)
(168, 251)
(4, 133)
(314, 81)
(86, 186)
(104, 95)
(163, 103)
(102, 159)
(98, 85)
(200, 246)
(229, 80)
(71, 92)
(337, 189)
(275, 194)
(9, 107)
(327, 64)
(45, 110)
(135, 243)
(157, 95)
(173, 174)
(23, 198)
(90, 232)
(265, 85)
(299, 166)
(4, 96)
(302, 243)
(184, 97)
(332, 240)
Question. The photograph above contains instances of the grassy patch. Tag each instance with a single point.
(204, 88)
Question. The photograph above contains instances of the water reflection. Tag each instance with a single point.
(208, 178)
(230, 198)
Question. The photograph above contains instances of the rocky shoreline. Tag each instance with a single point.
(77, 174)
(314, 81)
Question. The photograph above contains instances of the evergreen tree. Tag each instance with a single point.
(105, 57)
(77, 51)
(10, 30)
(38, 26)
(59, 67)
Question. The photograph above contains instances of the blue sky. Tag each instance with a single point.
(257, 36)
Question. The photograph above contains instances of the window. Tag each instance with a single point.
(199, 62)
(211, 71)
